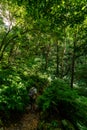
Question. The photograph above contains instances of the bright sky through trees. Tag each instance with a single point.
(7, 18)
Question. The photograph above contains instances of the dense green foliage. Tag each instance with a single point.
(59, 99)
(13, 94)
(41, 41)
(14, 90)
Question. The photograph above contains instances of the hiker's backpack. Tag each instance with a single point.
(33, 92)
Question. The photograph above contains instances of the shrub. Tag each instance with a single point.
(36, 81)
(13, 93)
(14, 89)
(53, 125)
(60, 99)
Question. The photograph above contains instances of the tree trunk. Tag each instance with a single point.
(73, 62)
(57, 60)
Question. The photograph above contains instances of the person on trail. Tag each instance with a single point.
(33, 96)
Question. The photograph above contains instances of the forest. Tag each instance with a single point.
(43, 44)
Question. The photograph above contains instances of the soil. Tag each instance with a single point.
(29, 121)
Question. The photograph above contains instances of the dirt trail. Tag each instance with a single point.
(29, 121)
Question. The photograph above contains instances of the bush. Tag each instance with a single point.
(13, 93)
(56, 92)
(58, 98)
(36, 81)
(14, 89)
(53, 125)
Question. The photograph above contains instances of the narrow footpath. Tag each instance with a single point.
(29, 121)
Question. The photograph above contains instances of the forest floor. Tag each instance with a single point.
(29, 121)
